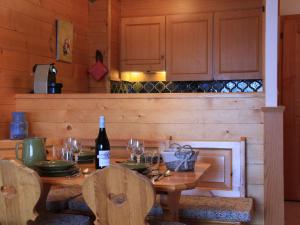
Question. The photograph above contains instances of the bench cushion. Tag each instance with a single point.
(62, 219)
(165, 223)
(156, 210)
(59, 197)
(78, 204)
(216, 208)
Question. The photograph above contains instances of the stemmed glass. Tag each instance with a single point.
(130, 147)
(72, 147)
(76, 148)
(138, 149)
(66, 153)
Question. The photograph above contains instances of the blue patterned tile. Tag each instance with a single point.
(242, 85)
(160, 86)
(137, 87)
(230, 85)
(149, 87)
(255, 85)
(171, 86)
(187, 86)
(218, 86)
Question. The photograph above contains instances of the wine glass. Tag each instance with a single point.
(75, 148)
(155, 159)
(138, 149)
(130, 147)
(66, 153)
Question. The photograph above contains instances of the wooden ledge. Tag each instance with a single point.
(139, 96)
(279, 109)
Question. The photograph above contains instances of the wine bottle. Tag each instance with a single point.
(102, 146)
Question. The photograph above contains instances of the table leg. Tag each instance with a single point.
(170, 205)
(41, 205)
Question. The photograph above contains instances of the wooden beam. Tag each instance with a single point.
(273, 168)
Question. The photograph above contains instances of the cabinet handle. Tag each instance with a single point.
(162, 57)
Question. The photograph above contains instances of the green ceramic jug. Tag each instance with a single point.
(33, 150)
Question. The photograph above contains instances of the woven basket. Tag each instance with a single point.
(183, 158)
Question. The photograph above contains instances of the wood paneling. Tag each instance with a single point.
(98, 39)
(273, 167)
(157, 7)
(157, 117)
(104, 34)
(143, 44)
(189, 41)
(226, 176)
(28, 37)
(237, 50)
(291, 100)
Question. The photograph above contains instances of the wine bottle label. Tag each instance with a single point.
(104, 158)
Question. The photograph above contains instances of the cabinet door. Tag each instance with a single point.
(189, 47)
(143, 44)
(237, 45)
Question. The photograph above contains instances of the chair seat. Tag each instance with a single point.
(216, 208)
(62, 219)
(59, 197)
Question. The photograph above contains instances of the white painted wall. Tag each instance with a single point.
(271, 53)
(289, 7)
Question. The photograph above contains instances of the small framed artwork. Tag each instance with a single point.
(64, 41)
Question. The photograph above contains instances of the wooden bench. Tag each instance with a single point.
(220, 195)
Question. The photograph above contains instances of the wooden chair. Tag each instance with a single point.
(117, 195)
(20, 190)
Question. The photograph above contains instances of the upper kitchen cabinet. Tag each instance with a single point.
(189, 47)
(237, 45)
(143, 44)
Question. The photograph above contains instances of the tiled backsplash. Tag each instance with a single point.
(187, 86)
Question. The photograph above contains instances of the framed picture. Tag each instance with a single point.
(64, 41)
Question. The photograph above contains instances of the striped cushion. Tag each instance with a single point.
(156, 210)
(58, 197)
(216, 208)
(165, 223)
(62, 219)
(78, 204)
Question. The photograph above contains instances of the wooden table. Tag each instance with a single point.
(169, 188)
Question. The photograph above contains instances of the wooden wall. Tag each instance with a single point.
(150, 116)
(167, 7)
(104, 19)
(98, 39)
(28, 37)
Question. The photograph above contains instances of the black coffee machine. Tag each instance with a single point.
(45, 79)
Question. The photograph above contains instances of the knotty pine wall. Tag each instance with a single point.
(158, 116)
(104, 21)
(28, 37)
(98, 39)
(131, 8)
